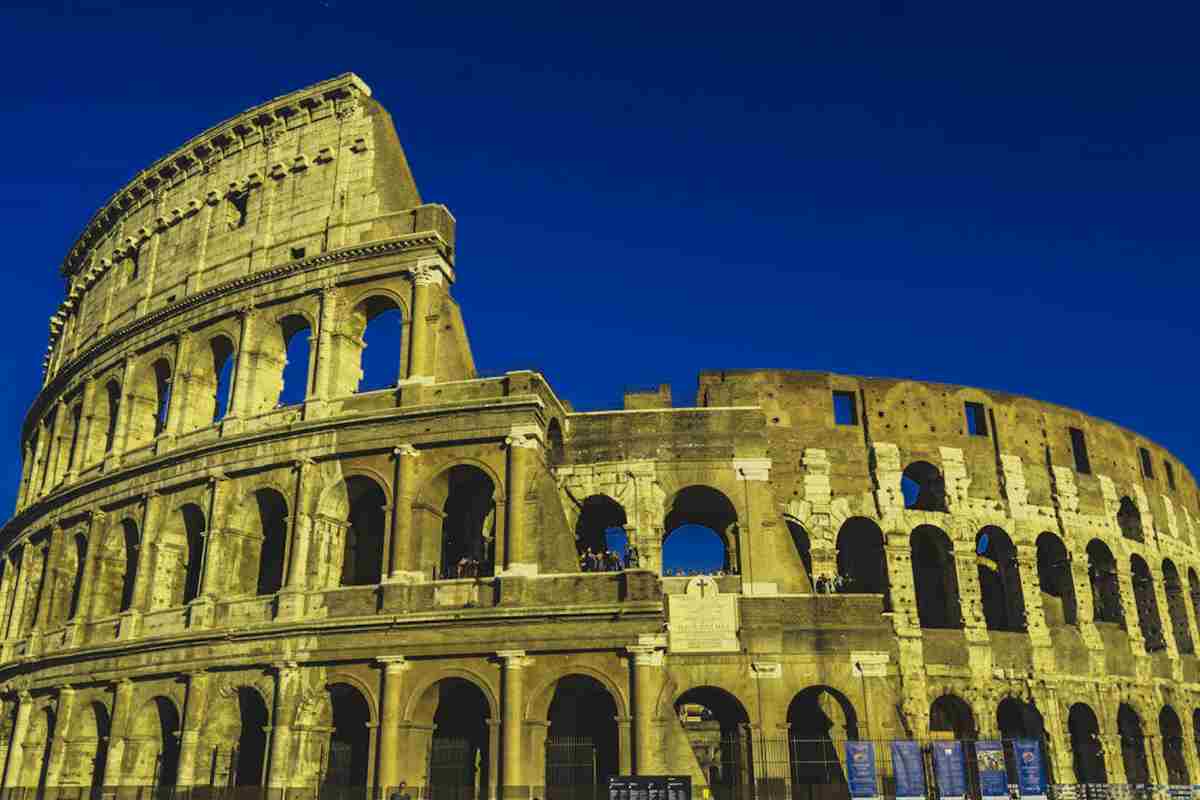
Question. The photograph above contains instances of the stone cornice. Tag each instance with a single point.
(384, 247)
(231, 135)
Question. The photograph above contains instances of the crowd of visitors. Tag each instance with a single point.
(607, 560)
(672, 572)
(466, 568)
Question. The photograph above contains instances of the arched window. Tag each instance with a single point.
(1086, 750)
(81, 547)
(297, 345)
(999, 580)
(601, 519)
(820, 720)
(1055, 580)
(349, 753)
(458, 753)
(716, 725)
(803, 544)
(934, 578)
(162, 387)
(1194, 591)
(1106, 587)
(1129, 520)
(554, 443)
(272, 523)
(468, 524)
(1133, 745)
(113, 393)
(362, 559)
(700, 520)
(223, 362)
(1177, 607)
(862, 564)
(380, 323)
(1147, 605)
(950, 718)
(1171, 731)
(1020, 720)
(155, 729)
(583, 721)
(193, 521)
(923, 487)
(251, 753)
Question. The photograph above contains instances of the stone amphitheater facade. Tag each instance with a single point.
(211, 587)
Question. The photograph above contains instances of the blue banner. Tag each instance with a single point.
(993, 774)
(950, 769)
(1031, 776)
(860, 769)
(909, 768)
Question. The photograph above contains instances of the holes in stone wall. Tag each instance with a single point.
(1106, 587)
(1147, 463)
(976, 419)
(297, 347)
(1079, 451)
(1129, 520)
(845, 408)
(923, 487)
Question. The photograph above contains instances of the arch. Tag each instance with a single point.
(468, 530)
(91, 728)
(923, 487)
(717, 727)
(1129, 520)
(378, 321)
(295, 372)
(999, 580)
(539, 700)
(1056, 581)
(39, 739)
(362, 557)
(112, 406)
(1177, 607)
(1087, 753)
(1133, 745)
(270, 515)
(819, 720)
(1106, 587)
(1147, 604)
(459, 749)
(803, 544)
(1017, 719)
(861, 561)
(81, 549)
(935, 578)
(600, 517)
(581, 738)
(1196, 729)
(250, 768)
(223, 350)
(705, 507)
(1171, 732)
(153, 732)
(1194, 592)
(555, 451)
(950, 717)
(210, 383)
(349, 754)
(162, 393)
(194, 527)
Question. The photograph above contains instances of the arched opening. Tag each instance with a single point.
(1194, 591)
(221, 348)
(252, 741)
(459, 751)
(129, 557)
(934, 578)
(362, 560)
(820, 720)
(1055, 581)
(717, 728)
(162, 394)
(1133, 745)
(554, 443)
(116, 570)
(700, 518)
(1087, 754)
(581, 743)
(861, 562)
(1106, 587)
(81, 547)
(601, 521)
(1177, 607)
(923, 487)
(112, 391)
(194, 527)
(349, 755)
(1147, 605)
(468, 524)
(155, 739)
(39, 738)
(296, 346)
(803, 544)
(91, 734)
(999, 580)
(1171, 731)
(272, 520)
(1196, 729)
(380, 321)
(1020, 720)
(1129, 520)
(950, 718)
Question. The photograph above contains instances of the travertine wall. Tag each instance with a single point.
(202, 593)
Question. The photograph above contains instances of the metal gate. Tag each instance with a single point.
(454, 769)
(571, 772)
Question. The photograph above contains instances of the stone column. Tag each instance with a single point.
(512, 700)
(394, 764)
(426, 274)
(83, 438)
(122, 712)
(58, 745)
(139, 601)
(323, 355)
(292, 597)
(645, 685)
(124, 414)
(241, 402)
(45, 597)
(16, 607)
(402, 566)
(522, 447)
(181, 389)
(87, 576)
(201, 612)
(287, 677)
(12, 771)
(970, 599)
(193, 719)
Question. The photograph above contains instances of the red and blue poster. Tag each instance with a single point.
(1031, 775)
(993, 774)
(860, 770)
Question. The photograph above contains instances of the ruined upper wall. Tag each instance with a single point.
(921, 418)
(307, 172)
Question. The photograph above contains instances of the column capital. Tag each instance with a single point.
(752, 469)
(528, 436)
(431, 271)
(393, 664)
(514, 659)
(645, 655)
(280, 667)
(405, 450)
(303, 463)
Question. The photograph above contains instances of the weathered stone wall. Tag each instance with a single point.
(352, 586)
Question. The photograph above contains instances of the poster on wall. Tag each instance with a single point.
(908, 765)
(993, 774)
(950, 770)
(860, 770)
(1031, 776)
(650, 787)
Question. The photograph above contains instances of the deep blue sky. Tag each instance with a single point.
(1002, 196)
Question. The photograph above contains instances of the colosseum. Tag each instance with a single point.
(240, 558)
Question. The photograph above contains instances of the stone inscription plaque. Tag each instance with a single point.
(702, 619)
